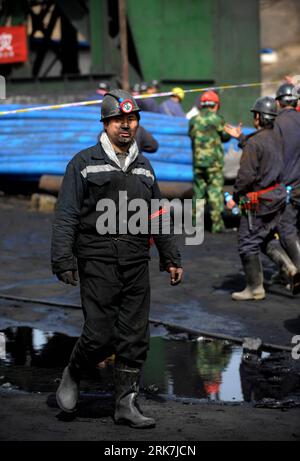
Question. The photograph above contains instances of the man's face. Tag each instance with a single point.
(152, 90)
(176, 98)
(256, 120)
(121, 130)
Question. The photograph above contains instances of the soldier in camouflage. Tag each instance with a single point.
(207, 133)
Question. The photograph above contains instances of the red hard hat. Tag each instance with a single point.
(209, 97)
(212, 388)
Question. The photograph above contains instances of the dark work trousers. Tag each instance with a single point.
(115, 301)
(252, 242)
(289, 223)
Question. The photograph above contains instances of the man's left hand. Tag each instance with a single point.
(231, 204)
(234, 131)
(176, 274)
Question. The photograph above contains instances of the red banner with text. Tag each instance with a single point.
(13, 44)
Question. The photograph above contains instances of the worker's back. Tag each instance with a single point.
(287, 124)
(207, 133)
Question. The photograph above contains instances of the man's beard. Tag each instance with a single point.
(122, 141)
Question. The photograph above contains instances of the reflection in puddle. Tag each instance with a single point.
(194, 369)
(175, 367)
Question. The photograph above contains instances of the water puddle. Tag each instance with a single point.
(176, 368)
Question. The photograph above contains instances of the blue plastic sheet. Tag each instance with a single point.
(43, 142)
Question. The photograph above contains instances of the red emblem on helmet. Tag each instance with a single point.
(126, 106)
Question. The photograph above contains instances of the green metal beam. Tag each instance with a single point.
(174, 39)
(17, 10)
(199, 40)
(237, 57)
(97, 23)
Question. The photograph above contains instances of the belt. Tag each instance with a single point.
(255, 197)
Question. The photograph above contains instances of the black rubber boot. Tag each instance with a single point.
(127, 388)
(68, 392)
(292, 247)
(254, 290)
(279, 256)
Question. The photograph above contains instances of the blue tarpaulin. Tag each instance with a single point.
(42, 142)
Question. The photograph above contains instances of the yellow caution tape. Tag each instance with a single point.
(142, 96)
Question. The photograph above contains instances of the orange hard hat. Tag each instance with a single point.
(209, 98)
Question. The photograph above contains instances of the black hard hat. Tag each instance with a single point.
(136, 88)
(287, 92)
(266, 106)
(144, 87)
(118, 102)
(154, 84)
(103, 86)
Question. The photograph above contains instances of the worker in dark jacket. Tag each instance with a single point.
(112, 260)
(287, 125)
(149, 104)
(289, 274)
(172, 106)
(258, 188)
(146, 141)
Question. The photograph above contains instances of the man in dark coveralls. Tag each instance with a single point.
(287, 125)
(262, 196)
(113, 266)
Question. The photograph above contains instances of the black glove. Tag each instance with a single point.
(68, 277)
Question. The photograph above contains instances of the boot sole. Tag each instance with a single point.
(125, 422)
(254, 298)
(62, 407)
(259, 298)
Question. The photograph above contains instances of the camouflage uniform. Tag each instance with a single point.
(207, 133)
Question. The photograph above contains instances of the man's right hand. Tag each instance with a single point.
(68, 277)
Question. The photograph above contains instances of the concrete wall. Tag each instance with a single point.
(280, 22)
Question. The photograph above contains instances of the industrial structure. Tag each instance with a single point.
(72, 44)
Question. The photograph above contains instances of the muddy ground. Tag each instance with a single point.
(34, 417)
(203, 301)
